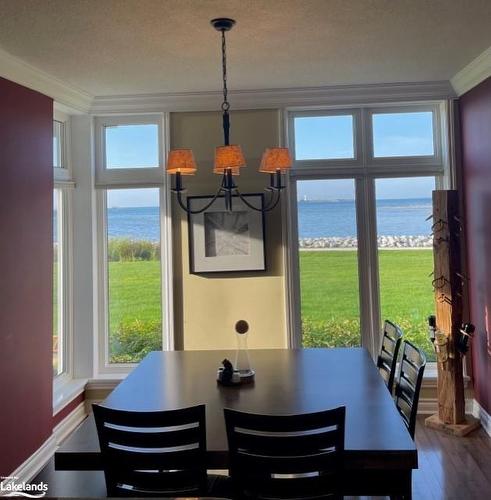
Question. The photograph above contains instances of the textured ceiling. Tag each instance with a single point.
(138, 46)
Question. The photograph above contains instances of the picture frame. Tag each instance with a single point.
(222, 241)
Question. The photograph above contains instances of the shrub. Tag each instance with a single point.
(346, 333)
(133, 340)
(331, 333)
(127, 250)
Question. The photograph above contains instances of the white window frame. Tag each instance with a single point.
(329, 163)
(131, 179)
(63, 174)
(364, 172)
(63, 181)
(111, 177)
(401, 162)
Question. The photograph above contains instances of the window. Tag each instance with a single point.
(134, 316)
(324, 137)
(364, 249)
(61, 249)
(403, 134)
(58, 285)
(132, 146)
(58, 144)
(328, 252)
(134, 231)
(129, 151)
(405, 255)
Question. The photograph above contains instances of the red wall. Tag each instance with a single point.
(67, 409)
(475, 111)
(26, 152)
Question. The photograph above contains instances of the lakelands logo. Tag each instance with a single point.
(10, 487)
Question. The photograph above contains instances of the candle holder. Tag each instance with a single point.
(242, 361)
(241, 373)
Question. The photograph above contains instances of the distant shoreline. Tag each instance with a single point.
(383, 242)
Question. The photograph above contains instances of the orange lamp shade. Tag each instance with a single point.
(182, 161)
(275, 159)
(228, 157)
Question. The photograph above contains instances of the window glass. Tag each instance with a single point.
(134, 277)
(403, 134)
(328, 251)
(132, 146)
(405, 255)
(324, 137)
(58, 143)
(58, 240)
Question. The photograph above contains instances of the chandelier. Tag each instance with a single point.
(229, 158)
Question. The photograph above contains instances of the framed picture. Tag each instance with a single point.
(222, 241)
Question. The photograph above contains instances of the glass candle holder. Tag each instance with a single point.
(242, 361)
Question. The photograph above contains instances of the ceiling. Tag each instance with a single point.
(117, 47)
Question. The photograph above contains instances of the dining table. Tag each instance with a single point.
(379, 454)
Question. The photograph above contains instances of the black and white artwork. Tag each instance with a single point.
(221, 241)
(227, 234)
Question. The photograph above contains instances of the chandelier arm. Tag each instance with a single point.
(268, 207)
(271, 205)
(201, 210)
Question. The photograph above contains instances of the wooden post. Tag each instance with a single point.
(448, 285)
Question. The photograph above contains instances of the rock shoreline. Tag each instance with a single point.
(421, 241)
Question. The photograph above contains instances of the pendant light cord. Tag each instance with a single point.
(225, 103)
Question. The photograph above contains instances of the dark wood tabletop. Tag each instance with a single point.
(287, 382)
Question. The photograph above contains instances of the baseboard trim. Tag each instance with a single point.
(429, 406)
(69, 423)
(26, 471)
(33, 465)
(485, 418)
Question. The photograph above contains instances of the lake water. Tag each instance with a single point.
(316, 219)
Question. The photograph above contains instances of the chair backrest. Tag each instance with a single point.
(389, 350)
(408, 384)
(287, 456)
(161, 453)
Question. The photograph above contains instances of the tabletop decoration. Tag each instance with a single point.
(226, 374)
(241, 373)
(242, 361)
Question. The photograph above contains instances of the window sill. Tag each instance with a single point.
(66, 389)
(430, 376)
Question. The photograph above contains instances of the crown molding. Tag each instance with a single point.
(304, 97)
(18, 71)
(73, 100)
(473, 74)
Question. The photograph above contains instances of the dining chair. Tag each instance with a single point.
(389, 351)
(408, 384)
(157, 453)
(286, 456)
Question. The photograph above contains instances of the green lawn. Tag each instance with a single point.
(329, 291)
(329, 287)
(135, 320)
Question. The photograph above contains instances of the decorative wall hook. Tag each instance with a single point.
(466, 333)
(459, 222)
(438, 225)
(442, 298)
(439, 282)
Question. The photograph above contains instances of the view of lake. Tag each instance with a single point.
(317, 219)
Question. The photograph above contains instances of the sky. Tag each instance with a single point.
(408, 134)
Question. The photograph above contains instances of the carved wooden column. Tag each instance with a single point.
(448, 285)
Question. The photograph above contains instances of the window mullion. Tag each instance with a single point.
(367, 263)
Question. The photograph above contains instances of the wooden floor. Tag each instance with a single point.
(449, 469)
